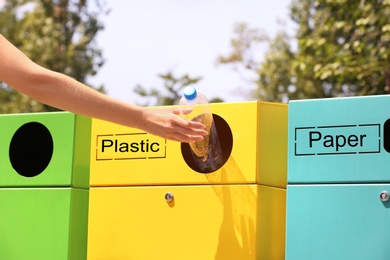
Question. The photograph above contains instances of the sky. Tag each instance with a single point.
(143, 39)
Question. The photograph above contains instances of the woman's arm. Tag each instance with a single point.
(58, 90)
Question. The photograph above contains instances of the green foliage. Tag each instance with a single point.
(275, 81)
(12, 101)
(345, 46)
(243, 47)
(172, 93)
(59, 35)
(342, 49)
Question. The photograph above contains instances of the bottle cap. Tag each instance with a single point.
(190, 93)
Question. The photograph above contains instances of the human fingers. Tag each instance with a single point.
(167, 124)
(191, 127)
(183, 138)
(187, 132)
(183, 111)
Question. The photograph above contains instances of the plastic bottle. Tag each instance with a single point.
(207, 153)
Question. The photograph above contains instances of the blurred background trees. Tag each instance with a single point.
(337, 48)
(171, 92)
(340, 48)
(56, 34)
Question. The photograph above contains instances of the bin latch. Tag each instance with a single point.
(169, 197)
(384, 196)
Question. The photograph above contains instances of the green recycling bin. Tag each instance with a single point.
(44, 185)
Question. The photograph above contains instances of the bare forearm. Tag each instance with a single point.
(63, 92)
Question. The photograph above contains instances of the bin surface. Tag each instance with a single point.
(339, 140)
(345, 221)
(236, 212)
(44, 185)
(337, 169)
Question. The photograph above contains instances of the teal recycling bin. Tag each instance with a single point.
(44, 186)
(338, 179)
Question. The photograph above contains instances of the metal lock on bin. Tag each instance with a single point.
(384, 196)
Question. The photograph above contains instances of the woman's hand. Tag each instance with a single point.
(166, 123)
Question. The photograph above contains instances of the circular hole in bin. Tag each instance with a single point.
(31, 149)
(225, 136)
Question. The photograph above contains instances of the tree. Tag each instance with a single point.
(345, 45)
(275, 76)
(172, 94)
(342, 49)
(59, 35)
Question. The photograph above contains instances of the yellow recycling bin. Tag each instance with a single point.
(149, 201)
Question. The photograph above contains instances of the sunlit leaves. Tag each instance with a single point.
(58, 35)
(343, 49)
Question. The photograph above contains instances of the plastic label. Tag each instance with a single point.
(130, 146)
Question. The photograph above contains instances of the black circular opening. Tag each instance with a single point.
(225, 137)
(31, 149)
(386, 135)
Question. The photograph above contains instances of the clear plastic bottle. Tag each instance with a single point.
(207, 153)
